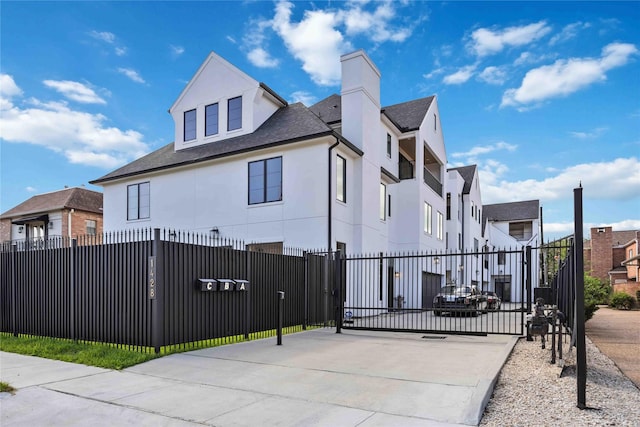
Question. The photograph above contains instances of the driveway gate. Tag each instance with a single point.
(403, 292)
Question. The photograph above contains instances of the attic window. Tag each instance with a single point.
(211, 119)
(601, 230)
(234, 118)
(189, 125)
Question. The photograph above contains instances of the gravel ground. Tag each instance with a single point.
(532, 391)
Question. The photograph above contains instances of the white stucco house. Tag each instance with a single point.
(344, 173)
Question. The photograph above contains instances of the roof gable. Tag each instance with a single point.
(467, 173)
(514, 211)
(289, 124)
(69, 198)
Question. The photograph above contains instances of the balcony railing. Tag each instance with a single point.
(432, 182)
(405, 168)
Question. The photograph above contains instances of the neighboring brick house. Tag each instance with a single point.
(71, 212)
(612, 256)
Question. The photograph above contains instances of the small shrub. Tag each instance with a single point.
(638, 295)
(622, 301)
(595, 292)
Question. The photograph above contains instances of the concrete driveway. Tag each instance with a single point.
(616, 333)
(315, 378)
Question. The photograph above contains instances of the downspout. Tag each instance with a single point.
(69, 221)
(329, 194)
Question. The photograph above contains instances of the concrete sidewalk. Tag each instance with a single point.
(315, 378)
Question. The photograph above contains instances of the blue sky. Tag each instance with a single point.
(540, 95)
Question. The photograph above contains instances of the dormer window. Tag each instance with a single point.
(234, 116)
(189, 125)
(211, 120)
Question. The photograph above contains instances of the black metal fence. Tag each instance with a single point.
(449, 292)
(150, 288)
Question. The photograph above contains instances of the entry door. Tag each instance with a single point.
(430, 287)
(503, 289)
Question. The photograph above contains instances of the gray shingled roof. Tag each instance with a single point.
(69, 198)
(287, 125)
(467, 173)
(514, 211)
(329, 109)
(406, 116)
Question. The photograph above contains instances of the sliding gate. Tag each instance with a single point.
(481, 293)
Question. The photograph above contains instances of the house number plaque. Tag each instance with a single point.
(152, 277)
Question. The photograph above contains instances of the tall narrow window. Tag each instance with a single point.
(341, 179)
(440, 226)
(475, 247)
(448, 206)
(211, 119)
(383, 200)
(265, 181)
(388, 145)
(427, 218)
(501, 257)
(189, 125)
(389, 205)
(234, 115)
(138, 201)
(435, 122)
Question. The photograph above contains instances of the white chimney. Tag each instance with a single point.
(360, 99)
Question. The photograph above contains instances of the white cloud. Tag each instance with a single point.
(493, 75)
(231, 39)
(567, 76)
(461, 76)
(375, 24)
(434, 73)
(595, 133)
(121, 51)
(569, 32)
(176, 50)
(105, 36)
(319, 38)
(486, 41)
(618, 179)
(81, 137)
(75, 91)
(314, 41)
(132, 74)
(30, 189)
(305, 97)
(486, 149)
(261, 58)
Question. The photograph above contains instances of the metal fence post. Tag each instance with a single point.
(280, 315)
(306, 291)
(528, 286)
(14, 280)
(73, 286)
(155, 290)
(581, 351)
(337, 286)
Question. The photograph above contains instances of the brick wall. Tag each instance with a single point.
(628, 287)
(5, 230)
(79, 222)
(601, 252)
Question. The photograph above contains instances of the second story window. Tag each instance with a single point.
(138, 201)
(427, 218)
(388, 145)
(189, 125)
(341, 178)
(383, 202)
(91, 227)
(440, 226)
(265, 181)
(211, 119)
(234, 114)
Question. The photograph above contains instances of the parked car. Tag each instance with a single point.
(493, 300)
(459, 299)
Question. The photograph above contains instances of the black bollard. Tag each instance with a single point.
(280, 314)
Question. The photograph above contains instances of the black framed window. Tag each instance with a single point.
(388, 145)
(448, 206)
(138, 201)
(189, 125)
(211, 119)
(341, 178)
(265, 181)
(383, 202)
(234, 113)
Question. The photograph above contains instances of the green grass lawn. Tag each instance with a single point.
(101, 355)
(111, 356)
